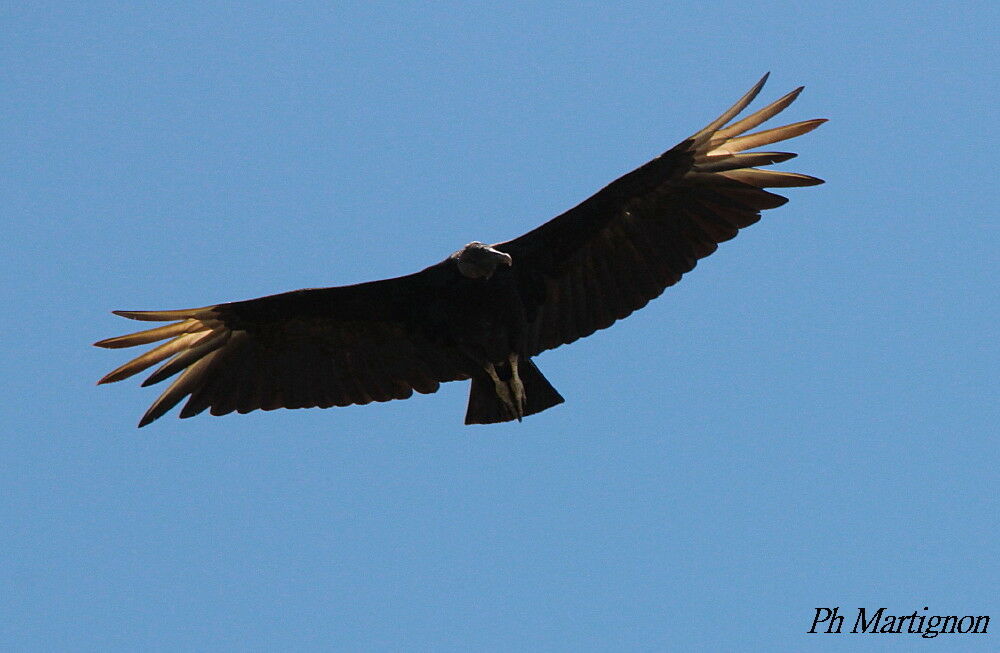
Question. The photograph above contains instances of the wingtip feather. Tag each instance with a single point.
(757, 117)
(730, 113)
(765, 137)
(164, 316)
(182, 386)
(151, 335)
(770, 178)
(152, 357)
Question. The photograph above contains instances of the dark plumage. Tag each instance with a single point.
(484, 311)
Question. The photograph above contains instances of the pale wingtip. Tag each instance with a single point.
(148, 417)
(760, 84)
(111, 343)
(111, 377)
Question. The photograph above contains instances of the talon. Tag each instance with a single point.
(502, 390)
(517, 386)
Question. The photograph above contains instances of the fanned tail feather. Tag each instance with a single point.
(485, 407)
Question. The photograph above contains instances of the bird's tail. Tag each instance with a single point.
(487, 407)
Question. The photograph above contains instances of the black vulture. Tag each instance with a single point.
(484, 311)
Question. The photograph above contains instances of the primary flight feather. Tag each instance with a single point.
(486, 310)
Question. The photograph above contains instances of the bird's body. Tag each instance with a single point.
(483, 312)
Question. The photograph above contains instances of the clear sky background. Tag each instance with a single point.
(808, 419)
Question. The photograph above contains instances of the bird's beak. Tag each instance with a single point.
(504, 256)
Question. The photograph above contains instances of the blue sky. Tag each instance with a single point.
(809, 419)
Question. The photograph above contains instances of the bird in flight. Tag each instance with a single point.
(485, 311)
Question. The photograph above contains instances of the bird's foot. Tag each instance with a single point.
(503, 392)
(517, 386)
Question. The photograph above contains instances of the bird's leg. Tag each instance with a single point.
(517, 386)
(502, 391)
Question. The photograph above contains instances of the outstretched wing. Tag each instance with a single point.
(317, 347)
(610, 255)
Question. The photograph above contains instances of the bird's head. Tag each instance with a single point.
(479, 261)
